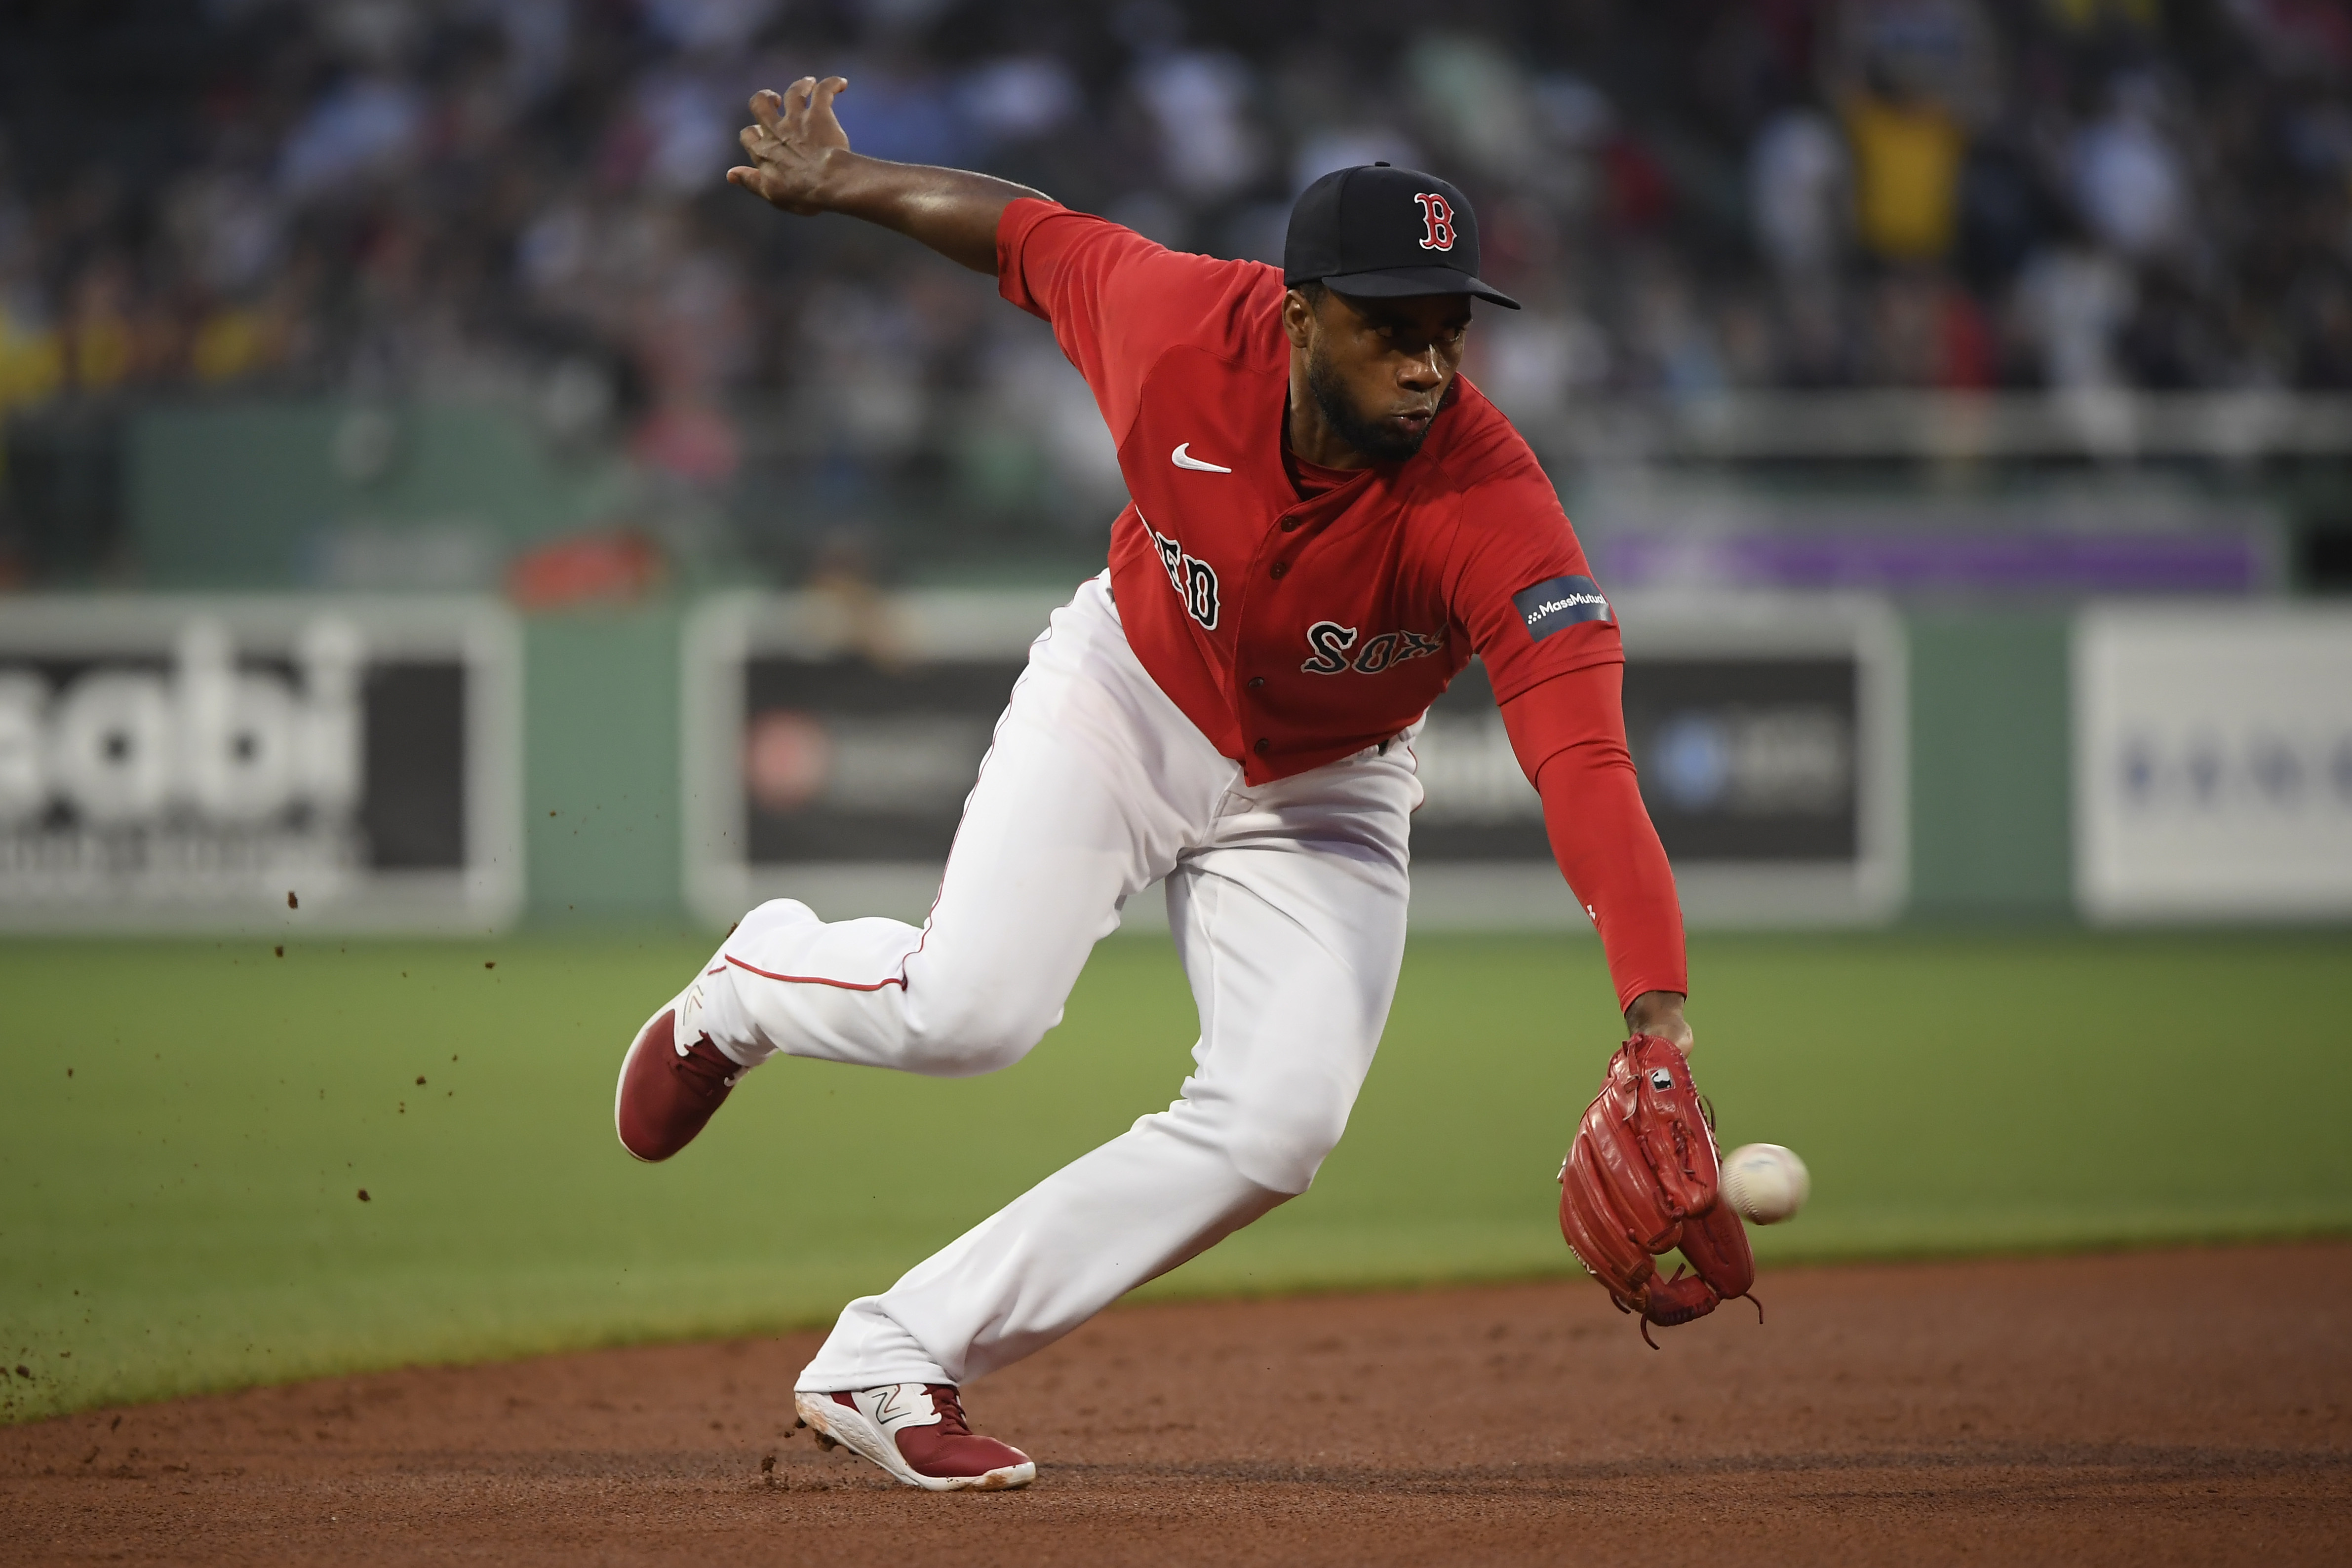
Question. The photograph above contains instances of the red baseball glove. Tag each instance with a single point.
(1641, 1179)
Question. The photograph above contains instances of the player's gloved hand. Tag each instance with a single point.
(1639, 1180)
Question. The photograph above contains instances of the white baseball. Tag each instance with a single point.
(1766, 1183)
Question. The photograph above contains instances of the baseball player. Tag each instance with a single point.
(1328, 521)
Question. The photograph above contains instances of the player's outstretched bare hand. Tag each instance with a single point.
(791, 145)
(801, 161)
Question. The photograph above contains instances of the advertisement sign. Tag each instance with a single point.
(1768, 733)
(2212, 762)
(283, 764)
(830, 742)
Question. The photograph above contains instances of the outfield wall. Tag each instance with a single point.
(2125, 761)
(1989, 835)
(1992, 837)
(1990, 792)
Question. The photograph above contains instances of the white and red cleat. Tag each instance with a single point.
(917, 1432)
(672, 1081)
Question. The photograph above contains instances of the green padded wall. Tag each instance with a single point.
(1990, 835)
(249, 494)
(601, 766)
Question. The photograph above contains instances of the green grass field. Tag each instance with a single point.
(184, 1129)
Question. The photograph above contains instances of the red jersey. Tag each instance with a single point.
(1293, 632)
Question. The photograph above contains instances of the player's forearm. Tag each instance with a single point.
(1608, 850)
(953, 210)
(1570, 735)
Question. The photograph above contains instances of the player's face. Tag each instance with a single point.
(1378, 368)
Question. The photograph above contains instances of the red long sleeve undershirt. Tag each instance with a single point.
(1569, 733)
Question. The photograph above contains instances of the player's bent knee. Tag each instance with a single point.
(965, 1040)
(1281, 1146)
(971, 1057)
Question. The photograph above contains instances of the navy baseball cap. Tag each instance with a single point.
(1381, 232)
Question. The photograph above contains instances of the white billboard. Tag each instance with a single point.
(173, 762)
(2212, 762)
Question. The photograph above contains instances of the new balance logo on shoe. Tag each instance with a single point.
(917, 1433)
(898, 1405)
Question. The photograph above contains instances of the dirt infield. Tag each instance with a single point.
(2190, 1408)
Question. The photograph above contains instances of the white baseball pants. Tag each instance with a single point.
(1287, 903)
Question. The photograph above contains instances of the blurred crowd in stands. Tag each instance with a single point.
(399, 198)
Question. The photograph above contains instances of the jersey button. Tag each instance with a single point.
(1280, 566)
(1255, 682)
(1290, 525)
(1262, 747)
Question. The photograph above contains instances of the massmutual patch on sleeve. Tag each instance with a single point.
(1559, 603)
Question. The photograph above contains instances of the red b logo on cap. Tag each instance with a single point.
(1437, 218)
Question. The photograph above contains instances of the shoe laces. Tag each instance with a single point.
(702, 1065)
(948, 1403)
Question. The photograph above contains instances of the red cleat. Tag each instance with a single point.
(668, 1090)
(917, 1432)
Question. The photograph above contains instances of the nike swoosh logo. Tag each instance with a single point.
(1182, 458)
